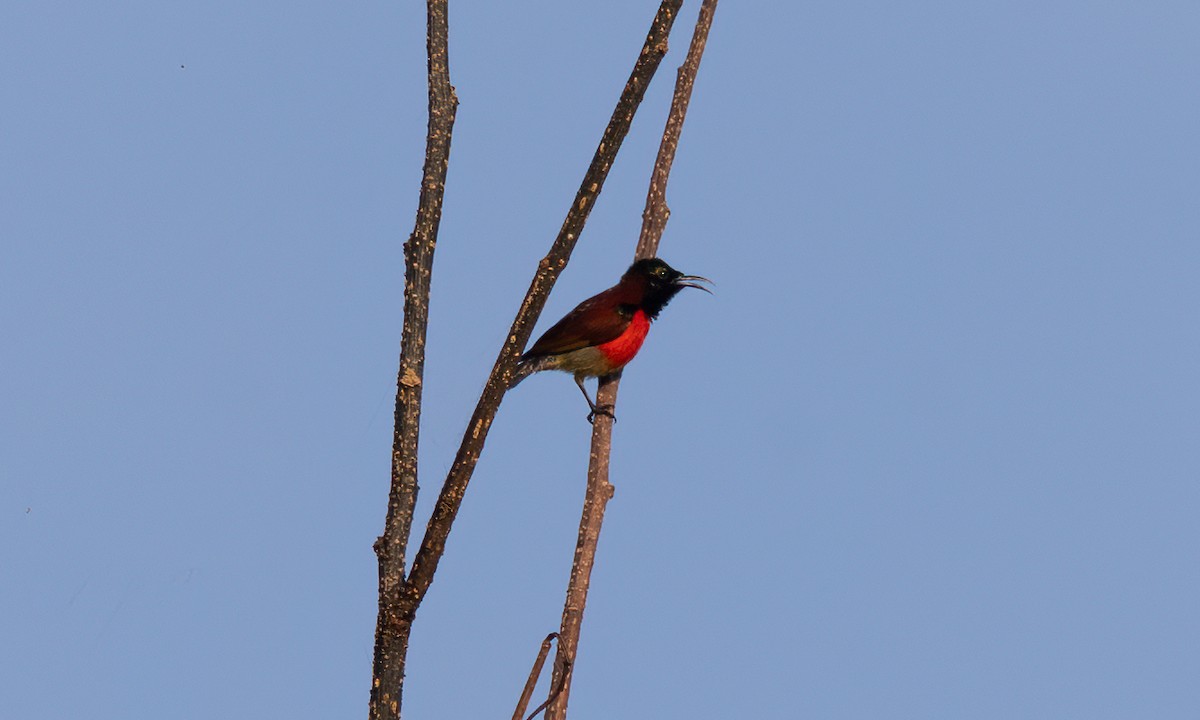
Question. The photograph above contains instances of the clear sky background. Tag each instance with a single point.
(931, 451)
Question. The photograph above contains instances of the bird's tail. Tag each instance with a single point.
(528, 366)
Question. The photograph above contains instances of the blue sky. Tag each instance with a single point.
(929, 452)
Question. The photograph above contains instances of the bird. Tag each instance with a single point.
(603, 333)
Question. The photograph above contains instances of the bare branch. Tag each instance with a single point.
(434, 542)
(400, 596)
(392, 627)
(599, 492)
(554, 693)
(599, 489)
(654, 217)
(534, 673)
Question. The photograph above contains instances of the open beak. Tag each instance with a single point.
(692, 280)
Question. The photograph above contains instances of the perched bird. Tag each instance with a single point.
(603, 333)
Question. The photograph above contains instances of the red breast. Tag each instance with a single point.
(620, 350)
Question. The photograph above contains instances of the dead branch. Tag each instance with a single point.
(434, 542)
(534, 673)
(392, 625)
(656, 214)
(400, 596)
(599, 489)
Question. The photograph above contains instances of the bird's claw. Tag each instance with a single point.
(601, 410)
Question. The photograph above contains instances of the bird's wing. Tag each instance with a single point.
(593, 322)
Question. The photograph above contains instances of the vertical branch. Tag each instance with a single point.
(392, 627)
(599, 489)
(599, 492)
(656, 214)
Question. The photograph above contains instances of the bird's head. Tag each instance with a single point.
(660, 282)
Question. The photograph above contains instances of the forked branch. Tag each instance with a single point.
(392, 625)
(401, 595)
(434, 542)
(549, 269)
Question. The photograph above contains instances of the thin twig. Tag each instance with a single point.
(599, 489)
(391, 627)
(554, 691)
(534, 673)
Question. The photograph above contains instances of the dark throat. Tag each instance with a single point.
(656, 298)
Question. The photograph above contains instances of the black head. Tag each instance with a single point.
(661, 283)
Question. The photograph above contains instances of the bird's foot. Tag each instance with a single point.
(601, 410)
